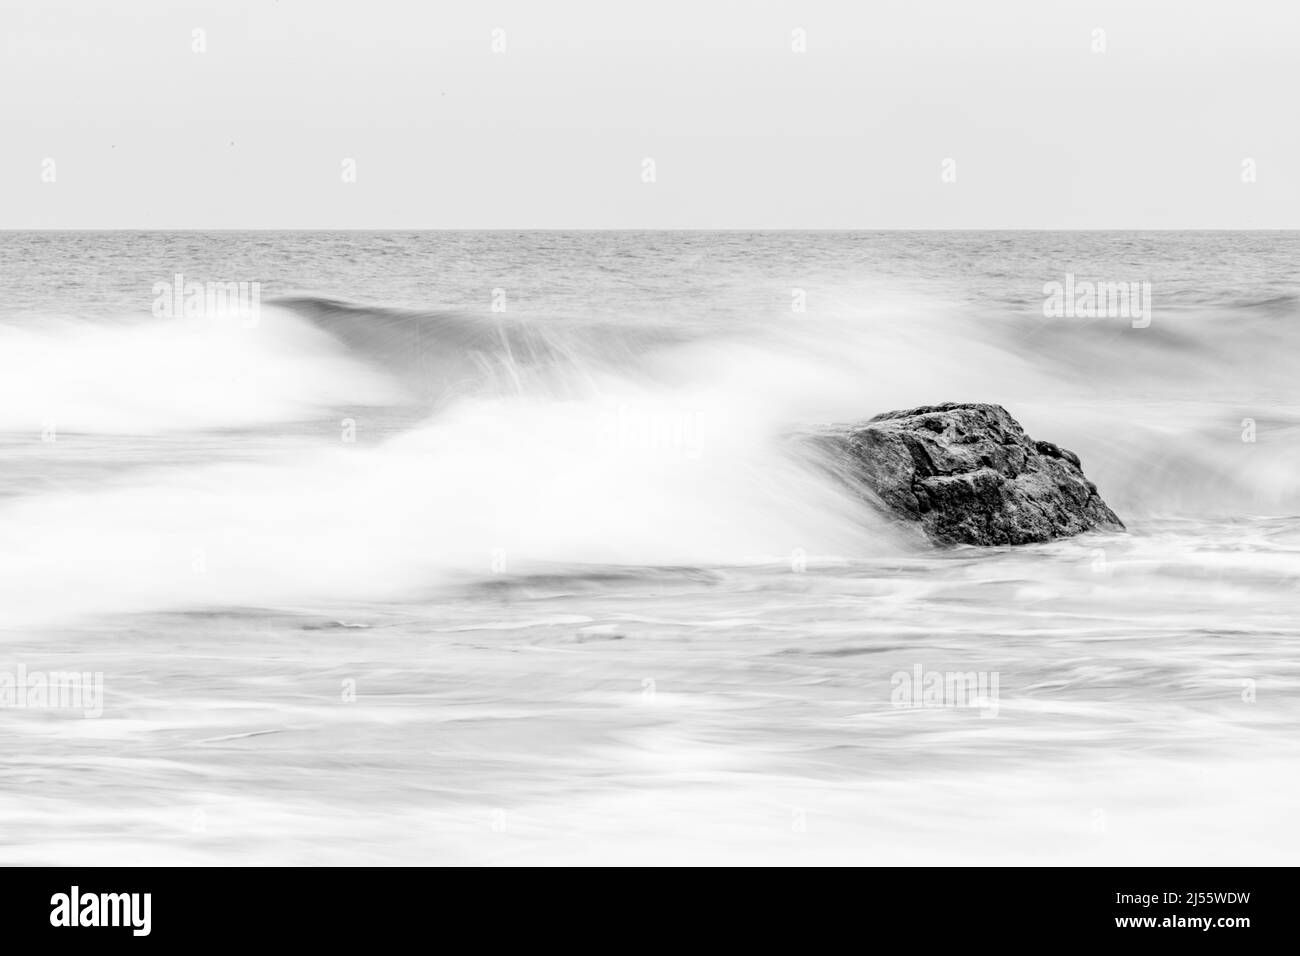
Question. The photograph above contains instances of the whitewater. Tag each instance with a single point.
(495, 548)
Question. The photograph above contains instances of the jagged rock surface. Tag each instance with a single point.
(968, 474)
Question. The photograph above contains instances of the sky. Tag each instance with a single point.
(710, 114)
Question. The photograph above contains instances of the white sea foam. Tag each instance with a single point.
(570, 595)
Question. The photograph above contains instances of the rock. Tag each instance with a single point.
(968, 474)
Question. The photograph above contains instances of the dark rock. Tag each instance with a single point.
(968, 474)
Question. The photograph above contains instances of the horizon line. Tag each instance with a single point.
(701, 229)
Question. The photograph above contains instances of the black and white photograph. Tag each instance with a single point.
(573, 434)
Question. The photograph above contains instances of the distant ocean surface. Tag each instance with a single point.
(491, 547)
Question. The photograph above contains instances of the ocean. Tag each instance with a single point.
(494, 547)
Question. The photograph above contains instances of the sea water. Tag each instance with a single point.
(493, 547)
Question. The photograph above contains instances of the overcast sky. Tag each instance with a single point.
(744, 132)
